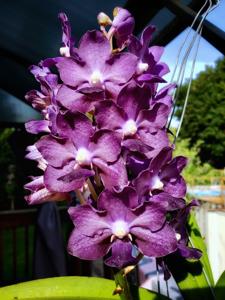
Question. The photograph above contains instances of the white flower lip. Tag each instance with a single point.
(141, 67)
(158, 184)
(96, 78)
(83, 156)
(129, 128)
(120, 229)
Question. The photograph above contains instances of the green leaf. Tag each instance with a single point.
(220, 287)
(69, 288)
(198, 242)
(194, 278)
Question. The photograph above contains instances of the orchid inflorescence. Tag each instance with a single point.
(104, 120)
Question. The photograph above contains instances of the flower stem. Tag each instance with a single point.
(80, 197)
(92, 190)
(122, 286)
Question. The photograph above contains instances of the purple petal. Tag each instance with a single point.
(127, 196)
(133, 99)
(136, 145)
(123, 25)
(66, 179)
(174, 168)
(151, 216)
(164, 156)
(154, 118)
(94, 48)
(169, 202)
(146, 37)
(155, 244)
(106, 145)
(91, 237)
(40, 193)
(156, 52)
(190, 253)
(144, 182)
(150, 78)
(164, 96)
(73, 100)
(161, 69)
(89, 248)
(113, 175)
(121, 255)
(157, 141)
(37, 99)
(72, 72)
(136, 162)
(120, 68)
(108, 115)
(176, 188)
(89, 221)
(134, 45)
(37, 126)
(67, 40)
(117, 207)
(56, 152)
(75, 126)
(35, 184)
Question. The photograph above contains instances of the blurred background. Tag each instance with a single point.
(29, 32)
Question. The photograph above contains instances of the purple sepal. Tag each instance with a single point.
(121, 255)
(122, 26)
(36, 127)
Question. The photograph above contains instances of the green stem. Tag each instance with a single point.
(122, 286)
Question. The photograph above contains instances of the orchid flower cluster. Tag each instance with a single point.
(104, 124)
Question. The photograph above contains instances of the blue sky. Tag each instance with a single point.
(207, 54)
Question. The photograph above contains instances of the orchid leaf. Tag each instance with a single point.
(194, 278)
(220, 287)
(198, 242)
(69, 288)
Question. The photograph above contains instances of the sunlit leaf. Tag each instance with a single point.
(220, 287)
(69, 288)
(194, 278)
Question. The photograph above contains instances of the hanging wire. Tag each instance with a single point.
(181, 73)
(188, 89)
(184, 41)
(192, 69)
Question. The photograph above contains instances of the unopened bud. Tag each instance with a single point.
(103, 19)
(64, 51)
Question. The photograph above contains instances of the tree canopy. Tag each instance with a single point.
(204, 121)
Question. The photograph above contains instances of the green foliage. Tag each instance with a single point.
(69, 288)
(204, 121)
(194, 278)
(197, 241)
(7, 166)
(220, 287)
(200, 173)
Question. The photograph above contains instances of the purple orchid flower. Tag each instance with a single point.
(117, 224)
(74, 101)
(72, 157)
(164, 96)
(67, 48)
(179, 224)
(40, 194)
(141, 128)
(149, 69)
(44, 100)
(97, 68)
(122, 26)
(163, 173)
